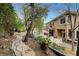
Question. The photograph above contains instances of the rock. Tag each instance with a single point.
(21, 49)
(6, 39)
(3, 46)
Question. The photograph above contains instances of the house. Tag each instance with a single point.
(60, 26)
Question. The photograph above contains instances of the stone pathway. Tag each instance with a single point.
(20, 48)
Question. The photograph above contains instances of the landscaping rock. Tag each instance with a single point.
(21, 49)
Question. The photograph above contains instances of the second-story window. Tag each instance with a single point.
(62, 20)
(69, 19)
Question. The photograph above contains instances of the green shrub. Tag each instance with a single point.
(42, 40)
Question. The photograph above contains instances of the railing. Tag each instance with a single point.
(59, 53)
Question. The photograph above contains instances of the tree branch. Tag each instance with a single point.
(75, 28)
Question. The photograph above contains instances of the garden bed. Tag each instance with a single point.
(59, 47)
(65, 52)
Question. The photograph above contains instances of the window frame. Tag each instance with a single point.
(62, 20)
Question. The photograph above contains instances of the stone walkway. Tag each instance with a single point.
(20, 48)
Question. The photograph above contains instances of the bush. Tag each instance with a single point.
(42, 40)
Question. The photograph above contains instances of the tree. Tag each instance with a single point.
(38, 25)
(36, 12)
(7, 18)
(77, 52)
(19, 25)
(73, 25)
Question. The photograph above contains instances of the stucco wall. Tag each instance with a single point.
(66, 25)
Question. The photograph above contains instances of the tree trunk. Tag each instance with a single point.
(11, 33)
(72, 37)
(31, 24)
(77, 53)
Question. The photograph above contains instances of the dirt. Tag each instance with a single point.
(36, 47)
(5, 46)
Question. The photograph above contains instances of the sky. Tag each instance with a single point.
(54, 9)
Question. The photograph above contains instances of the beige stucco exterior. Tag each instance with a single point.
(59, 29)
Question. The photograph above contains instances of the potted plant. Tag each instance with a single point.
(44, 42)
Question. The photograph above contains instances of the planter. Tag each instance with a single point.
(43, 47)
(58, 53)
(11, 34)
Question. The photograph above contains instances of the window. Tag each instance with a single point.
(62, 20)
(69, 33)
(69, 18)
(51, 32)
(77, 34)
